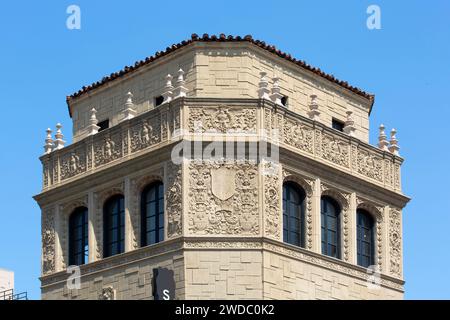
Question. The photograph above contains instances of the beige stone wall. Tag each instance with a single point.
(130, 280)
(225, 71)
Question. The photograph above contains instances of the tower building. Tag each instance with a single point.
(297, 205)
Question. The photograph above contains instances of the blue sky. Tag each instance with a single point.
(406, 64)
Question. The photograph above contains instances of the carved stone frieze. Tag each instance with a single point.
(73, 163)
(48, 241)
(107, 293)
(298, 135)
(395, 242)
(108, 149)
(174, 198)
(335, 150)
(223, 198)
(222, 119)
(145, 134)
(370, 165)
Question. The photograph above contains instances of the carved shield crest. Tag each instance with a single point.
(223, 183)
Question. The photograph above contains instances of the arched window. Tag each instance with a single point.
(78, 237)
(152, 214)
(114, 226)
(365, 238)
(293, 214)
(330, 222)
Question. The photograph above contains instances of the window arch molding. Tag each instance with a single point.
(158, 184)
(138, 185)
(375, 211)
(306, 185)
(67, 209)
(78, 231)
(121, 199)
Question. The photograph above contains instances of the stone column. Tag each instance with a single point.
(59, 229)
(128, 224)
(316, 224)
(92, 240)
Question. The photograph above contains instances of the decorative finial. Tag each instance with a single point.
(276, 95)
(393, 148)
(93, 127)
(349, 127)
(263, 90)
(129, 112)
(382, 139)
(180, 90)
(314, 113)
(168, 89)
(48, 147)
(59, 142)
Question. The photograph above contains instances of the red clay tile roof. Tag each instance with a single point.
(221, 38)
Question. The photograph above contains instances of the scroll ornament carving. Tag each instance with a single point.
(222, 119)
(370, 166)
(145, 135)
(215, 210)
(48, 242)
(395, 242)
(335, 151)
(107, 293)
(174, 201)
(72, 164)
(299, 136)
(272, 199)
(107, 150)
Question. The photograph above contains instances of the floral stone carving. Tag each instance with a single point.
(222, 119)
(48, 242)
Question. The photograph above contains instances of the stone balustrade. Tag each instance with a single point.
(188, 117)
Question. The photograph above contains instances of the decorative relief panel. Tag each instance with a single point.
(298, 135)
(145, 134)
(222, 119)
(223, 198)
(108, 149)
(335, 150)
(48, 241)
(107, 293)
(73, 163)
(272, 200)
(370, 165)
(174, 200)
(395, 242)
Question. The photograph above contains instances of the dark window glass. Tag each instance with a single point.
(152, 214)
(114, 226)
(338, 125)
(330, 224)
(78, 237)
(284, 101)
(365, 238)
(103, 125)
(293, 214)
(159, 100)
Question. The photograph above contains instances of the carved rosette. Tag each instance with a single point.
(395, 242)
(174, 200)
(335, 150)
(222, 119)
(73, 163)
(370, 165)
(145, 134)
(48, 242)
(223, 198)
(108, 149)
(298, 136)
(107, 293)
